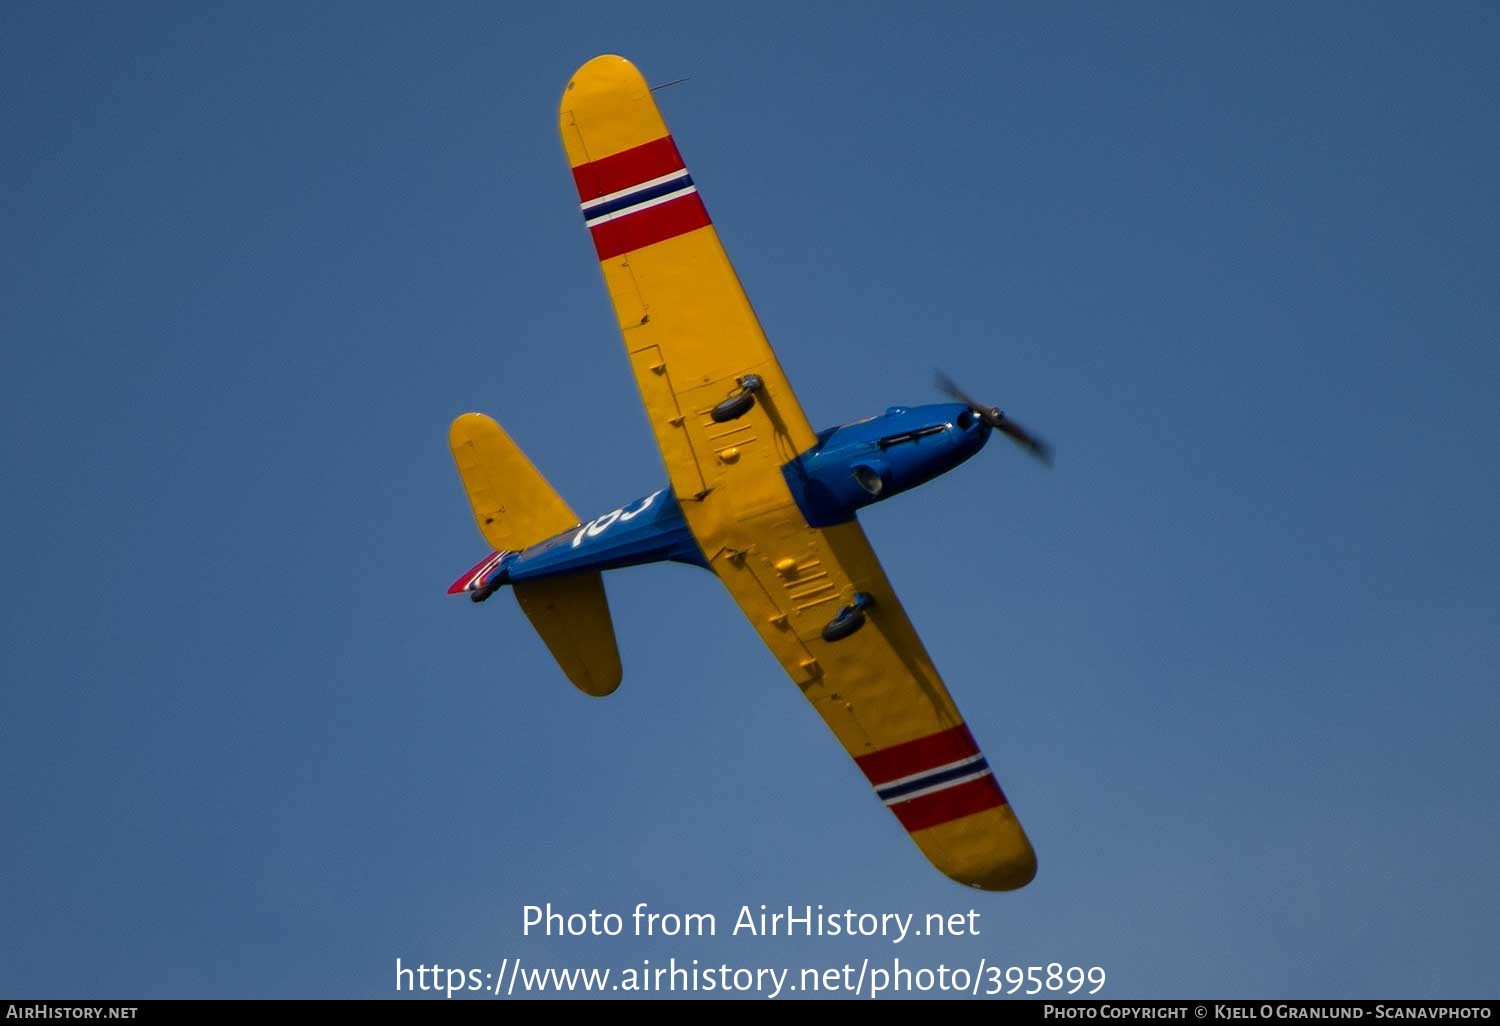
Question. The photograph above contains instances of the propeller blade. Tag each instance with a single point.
(992, 416)
(950, 387)
(1028, 441)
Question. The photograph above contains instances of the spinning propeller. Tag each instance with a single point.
(992, 417)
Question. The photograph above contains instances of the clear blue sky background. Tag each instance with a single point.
(1235, 659)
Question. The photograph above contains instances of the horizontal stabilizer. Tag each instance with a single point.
(513, 504)
(572, 615)
(515, 507)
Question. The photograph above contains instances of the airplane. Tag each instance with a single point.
(754, 494)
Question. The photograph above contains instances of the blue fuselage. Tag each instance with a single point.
(851, 467)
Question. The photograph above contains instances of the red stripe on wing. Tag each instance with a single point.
(951, 803)
(649, 226)
(627, 168)
(925, 753)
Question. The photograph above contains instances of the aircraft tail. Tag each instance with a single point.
(514, 507)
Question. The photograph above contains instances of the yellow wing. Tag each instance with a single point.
(688, 327)
(692, 337)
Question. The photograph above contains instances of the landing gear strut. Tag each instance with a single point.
(850, 619)
(739, 403)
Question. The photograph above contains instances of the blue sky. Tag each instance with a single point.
(1235, 659)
